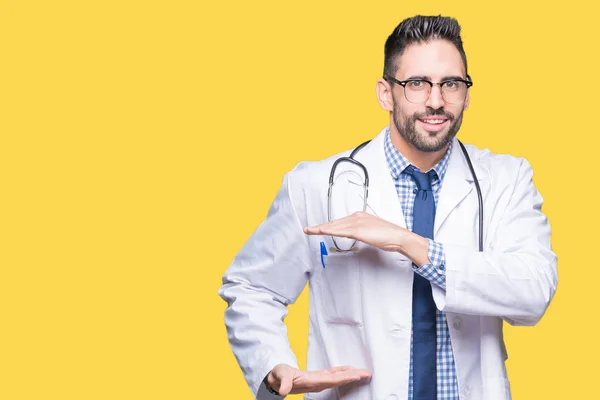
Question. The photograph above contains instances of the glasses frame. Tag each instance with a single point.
(391, 79)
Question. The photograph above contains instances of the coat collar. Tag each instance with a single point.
(382, 198)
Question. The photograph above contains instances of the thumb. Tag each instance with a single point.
(287, 379)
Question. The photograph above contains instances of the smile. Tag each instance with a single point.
(434, 124)
(433, 121)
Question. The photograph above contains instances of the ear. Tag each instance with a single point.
(384, 95)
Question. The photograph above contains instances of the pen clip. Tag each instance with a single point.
(323, 253)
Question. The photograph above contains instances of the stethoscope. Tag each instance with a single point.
(366, 190)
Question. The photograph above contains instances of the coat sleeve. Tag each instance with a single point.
(515, 278)
(268, 273)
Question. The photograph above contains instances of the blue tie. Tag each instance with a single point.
(423, 307)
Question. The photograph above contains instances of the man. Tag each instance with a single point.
(415, 309)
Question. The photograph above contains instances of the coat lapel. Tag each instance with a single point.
(382, 198)
(458, 183)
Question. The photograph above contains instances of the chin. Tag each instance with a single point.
(433, 141)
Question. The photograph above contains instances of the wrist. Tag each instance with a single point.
(415, 247)
(268, 386)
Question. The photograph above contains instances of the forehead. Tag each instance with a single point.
(435, 59)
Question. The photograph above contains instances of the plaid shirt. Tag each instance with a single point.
(447, 385)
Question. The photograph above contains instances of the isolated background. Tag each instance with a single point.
(142, 142)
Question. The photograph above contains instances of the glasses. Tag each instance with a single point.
(454, 91)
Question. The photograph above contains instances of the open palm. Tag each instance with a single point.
(288, 380)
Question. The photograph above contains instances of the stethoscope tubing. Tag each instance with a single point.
(352, 160)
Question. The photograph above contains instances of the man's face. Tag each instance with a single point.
(429, 126)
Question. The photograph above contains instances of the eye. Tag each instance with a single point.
(416, 85)
(452, 84)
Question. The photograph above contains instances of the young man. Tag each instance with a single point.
(415, 309)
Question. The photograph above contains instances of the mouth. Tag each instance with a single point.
(434, 124)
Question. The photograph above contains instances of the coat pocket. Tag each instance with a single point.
(340, 289)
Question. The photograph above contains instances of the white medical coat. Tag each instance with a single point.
(360, 303)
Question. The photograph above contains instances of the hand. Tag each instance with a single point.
(289, 380)
(376, 232)
(364, 227)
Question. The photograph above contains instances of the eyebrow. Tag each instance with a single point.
(419, 77)
(428, 78)
(453, 78)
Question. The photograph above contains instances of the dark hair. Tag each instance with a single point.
(420, 29)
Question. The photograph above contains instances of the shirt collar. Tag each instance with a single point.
(397, 163)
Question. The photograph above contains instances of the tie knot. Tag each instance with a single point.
(422, 179)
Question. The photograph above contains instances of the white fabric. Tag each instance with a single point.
(360, 311)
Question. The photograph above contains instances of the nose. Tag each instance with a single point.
(435, 99)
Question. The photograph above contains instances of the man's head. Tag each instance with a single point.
(424, 50)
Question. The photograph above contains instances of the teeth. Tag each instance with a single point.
(434, 121)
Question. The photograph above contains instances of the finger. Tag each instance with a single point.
(342, 368)
(316, 381)
(313, 230)
(324, 226)
(356, 374)
(344, 377)
(286, 384)
(344, 222)
(364, 374)
(350, 370)
(341, 227)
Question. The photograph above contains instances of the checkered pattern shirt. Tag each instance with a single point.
(447, 385)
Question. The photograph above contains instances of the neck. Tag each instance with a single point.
(421, 159)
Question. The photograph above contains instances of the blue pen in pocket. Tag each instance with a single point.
(323, 253)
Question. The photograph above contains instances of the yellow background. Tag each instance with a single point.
(142, 142)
